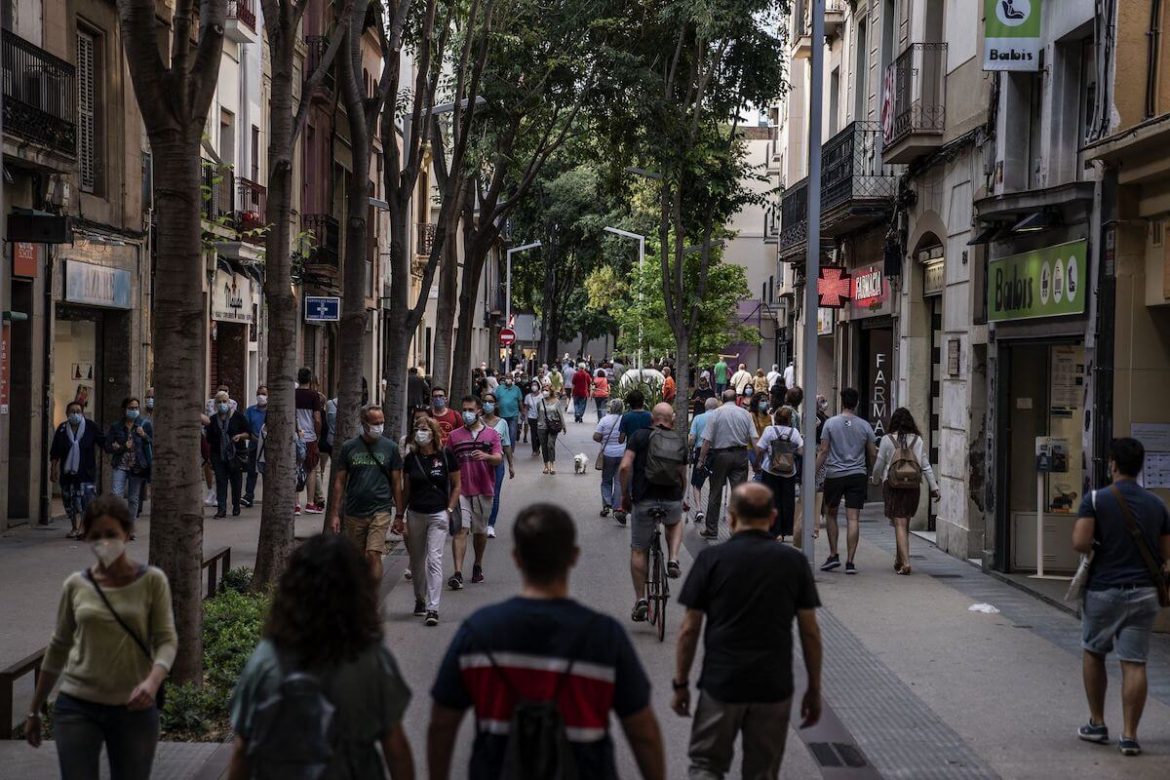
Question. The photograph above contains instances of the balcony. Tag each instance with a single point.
(219, 193)
(40, 96)
(241, 21)
(426, 238)
(914, 102)
(834, 17)
(250, 203)
(326, 240)
(317, 44)
(857, 189)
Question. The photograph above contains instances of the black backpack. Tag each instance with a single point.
(293, 734)
(538, 744)
(666, 450)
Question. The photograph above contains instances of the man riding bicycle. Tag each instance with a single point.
(654, 478)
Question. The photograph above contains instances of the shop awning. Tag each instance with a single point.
(986, 235)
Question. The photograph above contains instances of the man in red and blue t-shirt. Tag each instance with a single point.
(479, 450)
(538, 645)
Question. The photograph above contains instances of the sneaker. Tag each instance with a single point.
(420, 608)
(476, 574)
(706, 534)
(246, 503)
(620, 517)
(700, 518)
(832, 562)
(673, 570)
(850, 568)
(456, 581)
(219, 515)
(1094, 732)
(491, 532)
(605, 511)
(1129, 747)
(235, 511)
(406, 575)
(297, 511)
(641, 609)
(210, 499)
(432, 619)
(314, 509)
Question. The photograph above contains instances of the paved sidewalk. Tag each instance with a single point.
(172, 761)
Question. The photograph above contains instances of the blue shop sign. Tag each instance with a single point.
(98, 285)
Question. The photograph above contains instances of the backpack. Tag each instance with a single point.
(782, 456)
(905, 470)
(293, 729)
(538, 743)
(665, 452)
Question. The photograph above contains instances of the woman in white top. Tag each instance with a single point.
(902, 438)
(612, 450)
(500, 426)
(532, 410)
(780, 480)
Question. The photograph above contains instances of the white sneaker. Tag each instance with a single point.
(210, 500)
(406, 575)
(491, 532)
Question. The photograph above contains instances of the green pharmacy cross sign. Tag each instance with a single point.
(1046, 282)
(1011, 34)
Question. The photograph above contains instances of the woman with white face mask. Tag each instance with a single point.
(430, 490)
(532, 403)
(113, 647)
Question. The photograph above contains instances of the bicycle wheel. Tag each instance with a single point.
(653, 583)
(662, 595)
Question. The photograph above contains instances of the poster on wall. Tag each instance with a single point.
(1048, 282)
(5, 349)
(1011, 34)
(1068, 381)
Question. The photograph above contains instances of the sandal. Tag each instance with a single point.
(905, 570)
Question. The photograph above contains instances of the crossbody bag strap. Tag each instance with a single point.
(1138, 538)
(442, 454)
(131, 632)
(478, 638)
(385, 471)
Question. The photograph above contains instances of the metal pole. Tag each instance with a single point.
(508, 313)
(641, 263)
(808, 487)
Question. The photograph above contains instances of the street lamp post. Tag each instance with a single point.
(508, 291)
(641, 261)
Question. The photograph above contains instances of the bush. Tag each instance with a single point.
(232, 624)
(651, 390)
(238, 579)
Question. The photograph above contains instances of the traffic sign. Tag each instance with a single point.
(322, 308)
(507, 337)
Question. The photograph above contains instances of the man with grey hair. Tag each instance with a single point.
(367, 478)
(729, 434)
(700, 469)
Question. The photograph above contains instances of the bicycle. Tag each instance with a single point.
(657, 587)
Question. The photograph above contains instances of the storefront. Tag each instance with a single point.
(233, 359)
(872, 335)
(1037, 303)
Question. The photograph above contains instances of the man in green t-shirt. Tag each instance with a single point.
(721, 371)
(367, 477)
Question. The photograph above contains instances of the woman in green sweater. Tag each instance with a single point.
(110, 673)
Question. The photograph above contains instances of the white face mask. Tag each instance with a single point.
(376, 430)
(422, 437)
(262, 400)
(108, 550)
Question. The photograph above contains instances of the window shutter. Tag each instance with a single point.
(86, 107)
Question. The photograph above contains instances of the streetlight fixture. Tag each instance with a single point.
(641, 261)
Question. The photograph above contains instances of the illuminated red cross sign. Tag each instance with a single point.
(834, 286)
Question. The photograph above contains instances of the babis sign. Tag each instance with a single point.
(1047, 282)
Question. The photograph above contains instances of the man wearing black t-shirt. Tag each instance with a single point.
(750, 588)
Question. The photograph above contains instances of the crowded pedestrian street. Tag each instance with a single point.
(919, 680)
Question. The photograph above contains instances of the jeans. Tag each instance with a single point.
(226, 475)
(425, 540)
(579, 405)
(250, 482)
(513, 429)
(601, 404)
(611, 485)
(129, 487)
(532, 431)
(727, 466)
(501, 471)
(80, 727)
(762, 727)
(548, 445)
(1119, 619)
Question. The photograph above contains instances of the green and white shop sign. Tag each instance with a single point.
(1011, 34)
(1045, 282)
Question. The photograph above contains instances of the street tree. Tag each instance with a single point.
(287, 119)
(174, 91)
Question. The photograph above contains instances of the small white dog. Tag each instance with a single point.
(580, 463)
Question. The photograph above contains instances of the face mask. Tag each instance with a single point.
(422, 437)
(489, 408)
(223, 408)
(131, 414)
(440, 403)
(149, 403)
(748, 392)
(262, 400)
(508, 382)
(75, 419)
(376, 430)
(108, 551)
(469, 418)
(547, 394)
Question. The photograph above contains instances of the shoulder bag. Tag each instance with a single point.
(1080, 580)
(1159, 579)
(160, 698)
(599, 464)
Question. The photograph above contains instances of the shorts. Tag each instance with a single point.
(1121, 617)
(473, 513)
(312, 455)
(368, 533)
(642, 524)
(853, 487)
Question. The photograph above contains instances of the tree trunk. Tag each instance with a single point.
(398, 331)
(474, 258)
(682, 381)
(276, 517)
(445, 314)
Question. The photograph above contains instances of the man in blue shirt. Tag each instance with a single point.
(508, 399)
(700, 470)
(256, 414)
(636, 419)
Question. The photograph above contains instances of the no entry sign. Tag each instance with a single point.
(507, 337)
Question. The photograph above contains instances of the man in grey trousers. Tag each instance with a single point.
(729, 434)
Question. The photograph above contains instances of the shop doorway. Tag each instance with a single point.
(229, 358)
(1041, 396)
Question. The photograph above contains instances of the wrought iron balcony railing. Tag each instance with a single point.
(426, 237)
(40, 95)
(918, 100)
(244, 11)
(251, 199)
(219, 192)
(317, 44)
(326, 232)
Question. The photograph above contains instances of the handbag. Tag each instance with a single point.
(1144, 548)
(1080, 580)
(599, 464)
(160, 697)
(551, 424)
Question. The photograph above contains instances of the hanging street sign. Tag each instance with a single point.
(322, 308)
(1011, 34)
(834, 287)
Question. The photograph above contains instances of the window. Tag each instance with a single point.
(861, 72)
(255, 154)
(1088, 90)
(88, 160)
(834, 102)
(227, 138)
